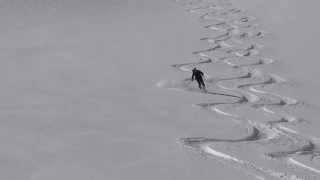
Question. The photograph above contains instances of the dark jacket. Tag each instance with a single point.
(197, 74)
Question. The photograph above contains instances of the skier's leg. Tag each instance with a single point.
(203, 85)
(199, 83)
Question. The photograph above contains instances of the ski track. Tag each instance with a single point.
(240, 41)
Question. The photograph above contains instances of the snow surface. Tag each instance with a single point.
(79, 99)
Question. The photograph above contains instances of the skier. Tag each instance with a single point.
(198, 75)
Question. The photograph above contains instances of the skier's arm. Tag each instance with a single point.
(192, 78)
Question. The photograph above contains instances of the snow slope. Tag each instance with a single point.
(80, 96)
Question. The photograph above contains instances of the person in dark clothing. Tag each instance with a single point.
(198, 75)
